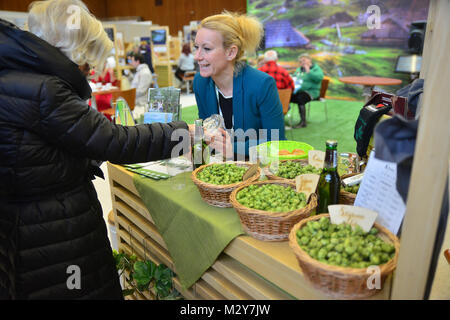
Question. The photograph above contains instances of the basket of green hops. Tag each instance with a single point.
(216, 181)
(289, 169)
(269, 209)
(347, 195)
(336, 258)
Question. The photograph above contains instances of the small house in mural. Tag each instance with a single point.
(390, 32)
(281, 33)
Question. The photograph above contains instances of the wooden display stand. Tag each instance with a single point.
(247, 268)
(161, 58)
(119, 50)
(175, 48)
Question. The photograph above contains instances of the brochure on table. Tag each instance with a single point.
(163, 105)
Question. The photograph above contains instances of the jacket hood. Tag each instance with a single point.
(23, 51)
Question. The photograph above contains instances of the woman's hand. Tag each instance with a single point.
(220, 141)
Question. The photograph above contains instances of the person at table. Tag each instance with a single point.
(246, 97)
(141, 81)
(185, 63)
(107, 77)
(308, 82)
(281, 76)
(54, 242)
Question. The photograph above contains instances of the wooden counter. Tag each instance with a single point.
(246, 269)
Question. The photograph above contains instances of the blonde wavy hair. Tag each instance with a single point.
(241, 30)
(52, 21)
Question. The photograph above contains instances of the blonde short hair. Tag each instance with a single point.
(52, 21)
(243, 31)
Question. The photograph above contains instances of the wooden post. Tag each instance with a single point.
(430, 166)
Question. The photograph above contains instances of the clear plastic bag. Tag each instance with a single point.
(214, 122)
(212, 126)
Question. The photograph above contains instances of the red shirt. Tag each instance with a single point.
(281, 76)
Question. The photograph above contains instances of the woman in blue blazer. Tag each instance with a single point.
(247, 98)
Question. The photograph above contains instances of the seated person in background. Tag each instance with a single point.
(107, 76)
(246, 97)
(310, 77)
(146, 52)
(141, 81)
(281, 76)
(185, 63)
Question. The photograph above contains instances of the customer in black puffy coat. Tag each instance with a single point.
(50, 217)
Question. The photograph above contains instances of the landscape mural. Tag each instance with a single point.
(337, 36)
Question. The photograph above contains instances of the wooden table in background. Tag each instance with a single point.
(101, 92)
(369, 83)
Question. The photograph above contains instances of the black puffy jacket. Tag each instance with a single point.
(50, 217)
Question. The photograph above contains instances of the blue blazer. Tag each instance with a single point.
(256, 104)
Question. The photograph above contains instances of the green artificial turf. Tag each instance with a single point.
(340, 126)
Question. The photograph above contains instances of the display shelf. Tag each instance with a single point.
(246, 269)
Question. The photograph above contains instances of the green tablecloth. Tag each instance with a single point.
(195, 233)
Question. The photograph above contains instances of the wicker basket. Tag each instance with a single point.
(271, 176)
(219, 195)
(340, 282)
(270, 226)
(346, 197)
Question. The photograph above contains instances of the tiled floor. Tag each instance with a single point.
(441, 285)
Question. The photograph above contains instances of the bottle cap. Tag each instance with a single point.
(331, 143)
(198, 122)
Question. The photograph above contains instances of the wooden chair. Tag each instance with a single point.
(129, 96)
(321, 98)
(187, 78)
(285, 98)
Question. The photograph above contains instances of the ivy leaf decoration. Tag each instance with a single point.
(144, 273)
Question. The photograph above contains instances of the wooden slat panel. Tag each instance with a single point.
(132, 201)
(145, 225)
(228, 289)
(135, 238)
(252, 284)
(204, 290)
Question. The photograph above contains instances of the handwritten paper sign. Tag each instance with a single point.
(307, 183)
(316, 158)
(352, 215)
(378, 192)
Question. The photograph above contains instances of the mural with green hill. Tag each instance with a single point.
(339, 39)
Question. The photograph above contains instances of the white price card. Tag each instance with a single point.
(352, 215)
(316, 158)
(378, 192)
